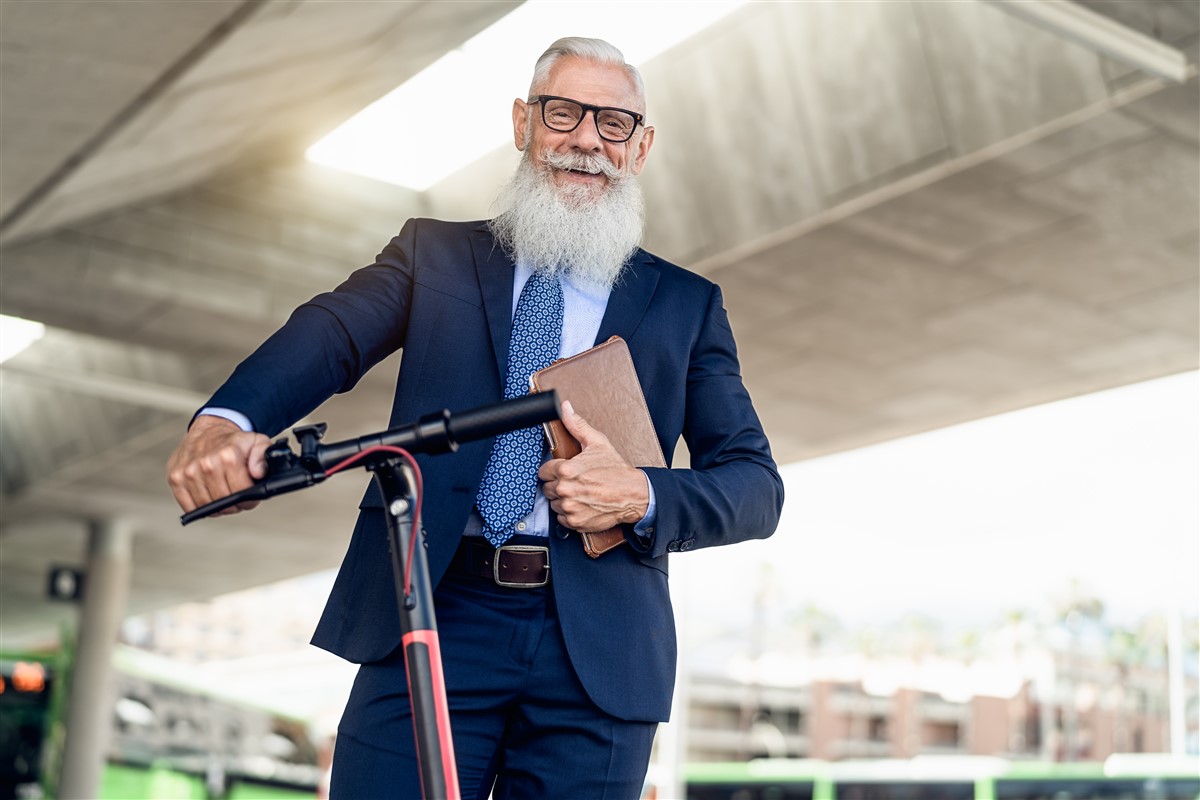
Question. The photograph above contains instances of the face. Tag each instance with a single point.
(593, 84)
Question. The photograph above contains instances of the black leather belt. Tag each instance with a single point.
(516, 566)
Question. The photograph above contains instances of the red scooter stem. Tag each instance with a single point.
(440, 432)
(418, 626)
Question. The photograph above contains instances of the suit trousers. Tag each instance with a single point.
(523, 725)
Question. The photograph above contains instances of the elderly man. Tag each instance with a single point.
(555, 689)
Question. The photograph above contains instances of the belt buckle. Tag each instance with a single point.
(520, 548)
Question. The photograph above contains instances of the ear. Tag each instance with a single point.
(642, 149)
(520, 114)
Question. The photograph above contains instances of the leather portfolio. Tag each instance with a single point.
(603, 387)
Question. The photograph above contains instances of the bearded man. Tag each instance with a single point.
(556, 686)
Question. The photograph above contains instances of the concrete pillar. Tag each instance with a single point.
(1176, 698)
(90, 705)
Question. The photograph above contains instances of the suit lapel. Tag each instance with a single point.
(495, 270)
(626, 305)
(629, 299)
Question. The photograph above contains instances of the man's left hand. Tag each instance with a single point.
(597, 489)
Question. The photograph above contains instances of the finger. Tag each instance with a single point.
(579, 427)
(549, 471)
(257, 459)
(193, 484)
(183, 497)
(232, 470)
(224, 471)
(213, 486)
(177, 481)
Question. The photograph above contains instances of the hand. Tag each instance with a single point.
(597, 489)
(215, 459)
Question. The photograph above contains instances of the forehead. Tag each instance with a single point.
(595, 84)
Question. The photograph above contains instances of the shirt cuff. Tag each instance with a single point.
(644, 530)
(236, 417)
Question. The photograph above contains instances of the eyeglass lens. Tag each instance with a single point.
(565, 115)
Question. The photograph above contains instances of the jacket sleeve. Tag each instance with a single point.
(328, 343)
(733, 491)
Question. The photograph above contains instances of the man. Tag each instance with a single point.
(555, 690)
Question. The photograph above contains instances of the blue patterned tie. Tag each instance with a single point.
(510, 481)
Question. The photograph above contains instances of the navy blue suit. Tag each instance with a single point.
(443, 292)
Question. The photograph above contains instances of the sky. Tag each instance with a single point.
(968, 522)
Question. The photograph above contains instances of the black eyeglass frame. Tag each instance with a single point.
(638, 119)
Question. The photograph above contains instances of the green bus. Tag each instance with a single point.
(1120, 777)
(170, 739)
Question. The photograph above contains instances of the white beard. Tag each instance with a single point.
(587, 233)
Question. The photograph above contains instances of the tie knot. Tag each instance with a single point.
(541, 288)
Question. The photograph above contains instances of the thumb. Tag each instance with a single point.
(579, 427)
(256, 459)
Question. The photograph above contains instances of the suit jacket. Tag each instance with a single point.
(442, 291)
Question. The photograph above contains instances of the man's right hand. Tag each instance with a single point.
(215, 459)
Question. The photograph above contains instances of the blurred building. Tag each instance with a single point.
(1073, 689)
(1051, 706)
(162, 720)
(276, 618)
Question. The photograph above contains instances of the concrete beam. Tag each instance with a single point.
(1101, 34)
(146, 98)
(112, 387)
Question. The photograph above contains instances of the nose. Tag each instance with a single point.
(586, 136)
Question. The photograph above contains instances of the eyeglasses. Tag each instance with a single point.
(564, 115)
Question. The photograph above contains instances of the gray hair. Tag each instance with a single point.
(596, 51)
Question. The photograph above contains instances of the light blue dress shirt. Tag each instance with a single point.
(583, 309)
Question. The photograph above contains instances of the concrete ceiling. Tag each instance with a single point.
(921, 213)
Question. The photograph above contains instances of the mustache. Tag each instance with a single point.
(591, 163)
(586, 234)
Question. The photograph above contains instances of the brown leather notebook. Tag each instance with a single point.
(603, 388)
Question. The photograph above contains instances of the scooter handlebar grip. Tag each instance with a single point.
(511, 415)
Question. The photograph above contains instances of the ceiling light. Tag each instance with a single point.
(460, 107)
(16, 334)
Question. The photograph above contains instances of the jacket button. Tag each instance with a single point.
(673, 547)
(563, 533)
(688, 545)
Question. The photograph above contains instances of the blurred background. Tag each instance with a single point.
(959, 244)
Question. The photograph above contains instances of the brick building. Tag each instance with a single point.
(1051, 706)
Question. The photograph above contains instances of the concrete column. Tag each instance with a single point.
(1176, 698)
(90, 705)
